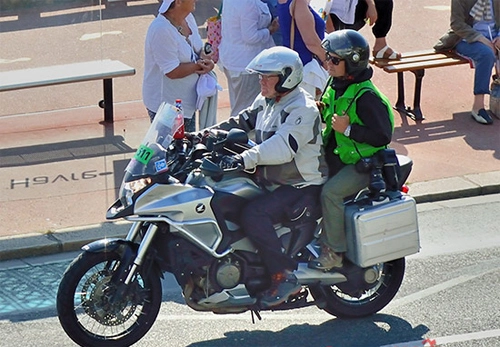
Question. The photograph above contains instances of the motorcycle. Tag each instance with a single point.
(185, 208)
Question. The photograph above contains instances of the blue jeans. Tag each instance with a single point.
(260, 215)
(484, 60)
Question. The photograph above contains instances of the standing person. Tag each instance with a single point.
(273, 8)
(287, 129)
(173, 60)
(246, 31)
(377, 13)
(309, 31)
(359, 123)
(474, 33)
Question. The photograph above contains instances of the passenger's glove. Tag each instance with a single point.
(232, 162)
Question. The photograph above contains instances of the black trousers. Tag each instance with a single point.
(381, 27)
(258, 218)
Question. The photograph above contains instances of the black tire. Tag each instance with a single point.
(373, 300)
(89, 318)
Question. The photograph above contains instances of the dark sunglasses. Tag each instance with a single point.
(334, 60)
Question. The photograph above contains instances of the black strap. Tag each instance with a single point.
(350, 104)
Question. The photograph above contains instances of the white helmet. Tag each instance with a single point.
(281, 61)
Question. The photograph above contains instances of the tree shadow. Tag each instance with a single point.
(53, 13)
(377, 330)
(45, 14)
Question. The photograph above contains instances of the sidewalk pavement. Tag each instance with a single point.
(71, 239)
(60, 168)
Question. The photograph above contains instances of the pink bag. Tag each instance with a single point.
(214, 34)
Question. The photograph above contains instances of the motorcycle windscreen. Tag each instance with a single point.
(151, 156)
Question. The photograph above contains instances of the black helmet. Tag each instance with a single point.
(351, 46)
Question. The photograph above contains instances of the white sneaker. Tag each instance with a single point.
(482, 116)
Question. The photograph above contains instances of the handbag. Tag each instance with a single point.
(447, 42)
(214, 35)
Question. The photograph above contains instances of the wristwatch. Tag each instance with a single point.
(347, 131)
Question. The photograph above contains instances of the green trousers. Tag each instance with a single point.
(346, 182)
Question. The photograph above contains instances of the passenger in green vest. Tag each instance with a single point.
(359, 122)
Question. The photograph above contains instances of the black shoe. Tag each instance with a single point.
(283, 285)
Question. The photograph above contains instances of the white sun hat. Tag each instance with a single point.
(165, 5)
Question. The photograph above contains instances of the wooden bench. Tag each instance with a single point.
(416, 62)
(104, 70)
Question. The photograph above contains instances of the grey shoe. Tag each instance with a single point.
(283, 285)
(327, 260)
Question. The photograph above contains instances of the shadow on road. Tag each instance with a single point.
(374, 331)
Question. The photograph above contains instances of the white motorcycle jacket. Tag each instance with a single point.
(288, 136)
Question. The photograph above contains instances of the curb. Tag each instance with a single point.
(456, 187)
(72, 239)
(59, 241)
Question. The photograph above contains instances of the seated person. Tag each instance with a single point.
(287, 128)
(359, 123)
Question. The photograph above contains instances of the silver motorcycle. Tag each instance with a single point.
(186, 210)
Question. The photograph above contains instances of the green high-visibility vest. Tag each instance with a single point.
(347, 149)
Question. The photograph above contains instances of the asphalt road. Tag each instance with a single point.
(449, 297)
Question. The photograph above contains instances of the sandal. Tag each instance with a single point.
(386, 53)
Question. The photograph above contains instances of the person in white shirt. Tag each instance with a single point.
(173, 60)
(246, 31)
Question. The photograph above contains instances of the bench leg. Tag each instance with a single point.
(107, 103)
(400, 103)
(416, 112)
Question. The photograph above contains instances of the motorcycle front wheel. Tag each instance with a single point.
(370, 301)
(90, 312)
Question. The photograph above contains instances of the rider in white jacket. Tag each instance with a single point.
(287, 128)
(287, 132)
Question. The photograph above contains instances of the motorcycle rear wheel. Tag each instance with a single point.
(343, 305)
(87, 314)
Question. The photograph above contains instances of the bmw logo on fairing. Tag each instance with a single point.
(200, 208)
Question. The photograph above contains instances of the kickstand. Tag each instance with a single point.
(256, 314)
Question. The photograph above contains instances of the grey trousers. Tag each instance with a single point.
(243, 90)
(346, 182)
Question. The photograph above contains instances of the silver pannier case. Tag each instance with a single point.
(381, 232)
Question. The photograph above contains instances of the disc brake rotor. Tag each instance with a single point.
(95, 299)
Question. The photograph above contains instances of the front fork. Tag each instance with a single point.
(143, 248)
(130, 258)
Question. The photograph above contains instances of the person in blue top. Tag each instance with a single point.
(273, 8)
(309, 31)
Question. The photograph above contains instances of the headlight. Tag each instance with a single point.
(128, 189)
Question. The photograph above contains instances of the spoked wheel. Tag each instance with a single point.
(92, 314)
(384, 280)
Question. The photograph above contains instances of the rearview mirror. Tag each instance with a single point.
(210, 169)
(236, 136)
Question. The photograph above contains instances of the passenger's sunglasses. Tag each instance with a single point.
(334, 60)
